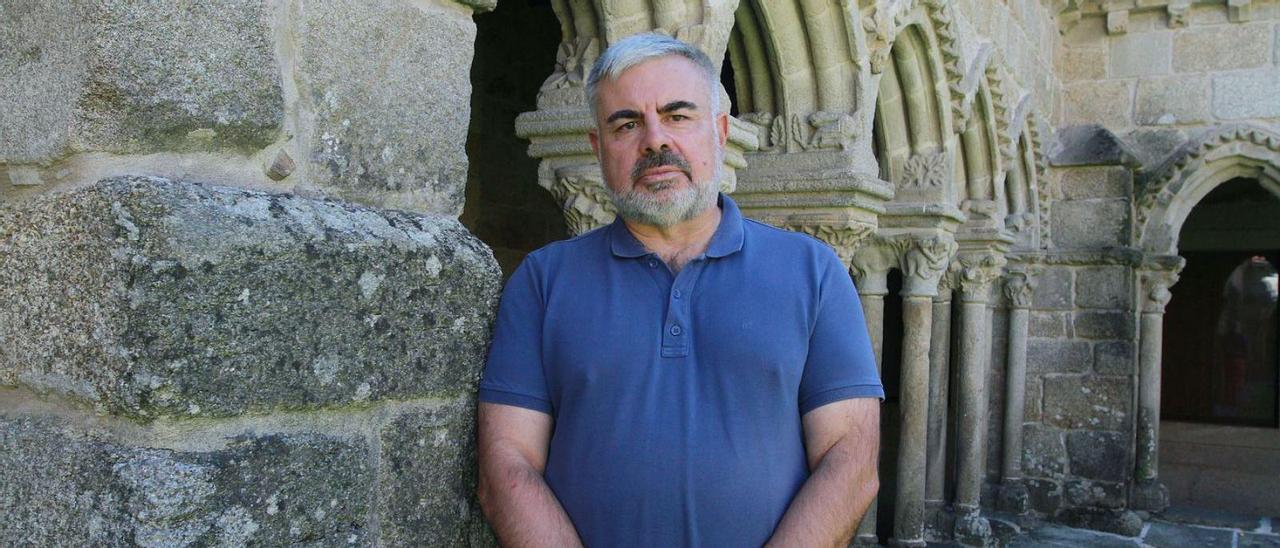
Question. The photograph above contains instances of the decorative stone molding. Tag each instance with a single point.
(1117, 11)
(573, 61)
(583, 198)
(817, 131)
(923, 262)
(1018, 289)
(887, 19)
(844, 237)
(927, 170)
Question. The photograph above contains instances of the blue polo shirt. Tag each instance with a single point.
(677, 398)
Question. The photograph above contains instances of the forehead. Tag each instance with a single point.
(654, 82)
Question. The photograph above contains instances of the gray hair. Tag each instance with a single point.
(638, 48)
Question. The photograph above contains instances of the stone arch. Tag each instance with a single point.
(980, 169)
(795, 70)
(912, 121)
(1219, 155)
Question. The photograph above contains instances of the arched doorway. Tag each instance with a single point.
(1219, 442)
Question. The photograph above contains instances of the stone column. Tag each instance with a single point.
(922, 266)
(870, 269)
(939, 374)
(974, 353)
(1013, 494)
(1148, 493)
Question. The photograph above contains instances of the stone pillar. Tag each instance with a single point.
(939, 374)
(870, 269)
(922, 265)
(1148, 493)
(1013, 494)
(974, 353)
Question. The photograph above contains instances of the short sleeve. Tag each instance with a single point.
(841, 364)
(513, 374)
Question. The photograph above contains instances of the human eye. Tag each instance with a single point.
(627, 126)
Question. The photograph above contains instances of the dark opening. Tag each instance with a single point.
(1220, 355)
(730, 86)
(890, 412)
(515, 52)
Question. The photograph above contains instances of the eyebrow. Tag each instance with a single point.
(629, 114)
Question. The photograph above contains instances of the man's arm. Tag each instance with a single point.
(842, 440)
(520, 507)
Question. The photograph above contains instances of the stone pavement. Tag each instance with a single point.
(1176, 527)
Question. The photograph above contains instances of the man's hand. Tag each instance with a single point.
(516, 500)
(842, 440)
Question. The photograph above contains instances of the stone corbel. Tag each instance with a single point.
(1239, 11)
(1178, 11)
(1118, 22)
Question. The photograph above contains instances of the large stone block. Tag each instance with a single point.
(1082, 63)
(1047, 324)
(1058, 356)
(433, 451)
(1114, 358)
(1139, 54)
(147, 297)
(1043, 453)
(1239, 96)
(389, 85)
(1176, 100)
(1109, 520)
(1213, 49)
(1108, 102)
(1045, 495)
(123, 76)
(67, 485)
(1096, 182)
(1090, 223)
(1104, 325)
(1093, 402)
(1099, 455)
(1054, 289)
(1100, 494)
(1103, 287)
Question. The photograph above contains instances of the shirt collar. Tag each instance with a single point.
(726, 240)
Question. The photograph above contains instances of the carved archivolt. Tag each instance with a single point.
(1164, 183)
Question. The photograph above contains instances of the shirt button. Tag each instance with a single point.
(676, 331)
(653, 263)
(676, 293)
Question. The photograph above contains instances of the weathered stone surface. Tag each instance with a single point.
(1089, 144)
(1053, 290)
(1082, 63)
(1102, 494)
(1044, 454)
(1104, 325)
(1254, 540)
(1093, 402)
(1057, 536)
(68, 486)
(1113, 358)
(1046, 495)
(1033, 400)
(1167, 534)
(1099, 455)
(1139, 54)
(1211, 49)
(1096, 182)
(122, 76)
(1058, 356)
(1090, 223)
(1047, 324)
(1239, 96)
(433, 451)
(1103, 287)
(1153, 145)
(1120, 522)
(1176, 100)
(1106, 102)
(148, 297)
(388, 82)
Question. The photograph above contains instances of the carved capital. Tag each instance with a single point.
(844, 237)
(1155, 290)
(1018, 289)
(870, 268)
(924, 261)
(581, 194)
(974, 275)
(573, 61)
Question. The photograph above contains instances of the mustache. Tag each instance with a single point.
(665, 157)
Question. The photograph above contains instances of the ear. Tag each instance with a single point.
(593, 135)
(722, 128)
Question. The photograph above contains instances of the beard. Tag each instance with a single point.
(673, 206)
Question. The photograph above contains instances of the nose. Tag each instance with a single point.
(656, 138)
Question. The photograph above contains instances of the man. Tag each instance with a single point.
(683, 376)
